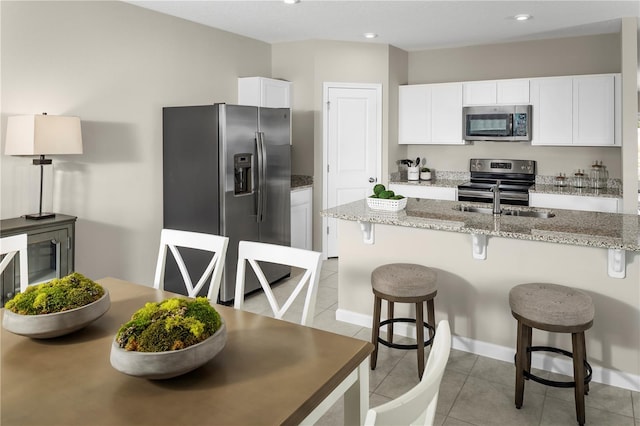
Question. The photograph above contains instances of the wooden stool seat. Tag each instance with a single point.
(559, 309)
(403, 283)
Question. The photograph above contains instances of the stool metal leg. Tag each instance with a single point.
(521, 362)
(420, 338)
(390, 325)
(577, 340)
(431, 317)
(375, 331)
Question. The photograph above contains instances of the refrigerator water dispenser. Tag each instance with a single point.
(242, 168)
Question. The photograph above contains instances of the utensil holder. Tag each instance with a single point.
(413, 173)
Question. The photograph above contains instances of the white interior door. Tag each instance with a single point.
(353, 148)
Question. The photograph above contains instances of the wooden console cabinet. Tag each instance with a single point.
(51, 251)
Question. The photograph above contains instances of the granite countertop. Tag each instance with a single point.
(593, 229)
(301, 181)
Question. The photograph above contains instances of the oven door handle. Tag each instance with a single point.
(504, 195)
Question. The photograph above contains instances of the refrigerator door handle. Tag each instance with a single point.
(262, 176)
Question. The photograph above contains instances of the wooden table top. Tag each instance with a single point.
(270, 372)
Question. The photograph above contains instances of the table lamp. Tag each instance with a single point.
(43, 135)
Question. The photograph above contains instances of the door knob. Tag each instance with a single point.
(372, 180)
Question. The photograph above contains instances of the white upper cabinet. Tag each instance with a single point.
(430, 114)
(593, 110)
(264, 92)
(513, 92)
(414, 114)
(552, 121)
(496, 92)
(576, 110)
(480, 93)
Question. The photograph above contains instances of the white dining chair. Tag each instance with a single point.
(9, 246)
(254, 252)
(418, 405)
(173, 239)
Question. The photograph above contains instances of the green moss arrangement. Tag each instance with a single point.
(169, 325)
(71, 292)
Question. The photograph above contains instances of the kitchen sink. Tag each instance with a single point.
(507, 212)
(528, 213)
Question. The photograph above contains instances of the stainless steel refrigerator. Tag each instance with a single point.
(227, 171)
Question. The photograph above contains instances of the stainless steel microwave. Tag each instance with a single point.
(497, 123)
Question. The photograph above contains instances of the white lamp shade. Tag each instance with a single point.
(43, 135)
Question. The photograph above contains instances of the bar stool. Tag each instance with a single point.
(559, 309)
(403, 283)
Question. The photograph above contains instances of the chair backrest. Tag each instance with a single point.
(310, 261)
(418, 405)
(9, 246)
(172, 239)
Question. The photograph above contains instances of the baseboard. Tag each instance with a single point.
(543, 362)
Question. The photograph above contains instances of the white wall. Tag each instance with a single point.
(114, 65)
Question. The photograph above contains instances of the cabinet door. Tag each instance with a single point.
(414, 114)
(275, 93)
(446, 114)
(264, 92)
(479, 93)
(422, 191)
(574, 202)
(512, 92)
(552, 100)
(301, 219)
(593, 110)
(48, 255)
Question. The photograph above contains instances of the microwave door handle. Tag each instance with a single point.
(511, 124)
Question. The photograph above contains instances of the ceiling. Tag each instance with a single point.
(410, 25)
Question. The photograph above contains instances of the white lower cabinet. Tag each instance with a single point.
(421, 191)
(574, 202)
(301, 218)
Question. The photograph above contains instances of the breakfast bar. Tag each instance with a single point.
(480, 256)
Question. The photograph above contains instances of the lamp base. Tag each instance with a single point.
(40, 216)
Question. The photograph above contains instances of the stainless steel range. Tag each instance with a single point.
(515, 177)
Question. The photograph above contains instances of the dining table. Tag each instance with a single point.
(270, 372)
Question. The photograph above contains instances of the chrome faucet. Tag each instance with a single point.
(496, 198)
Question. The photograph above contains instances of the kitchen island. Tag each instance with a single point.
(479, 257)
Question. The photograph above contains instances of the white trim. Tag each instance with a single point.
(325, 145)
(603, 375)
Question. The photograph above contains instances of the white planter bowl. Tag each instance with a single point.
(165, 365)
(45, 326)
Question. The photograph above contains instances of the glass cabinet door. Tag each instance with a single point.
(48, 255)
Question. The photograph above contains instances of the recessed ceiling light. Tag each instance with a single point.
(522, 17)
(291, 1)
(370, 35)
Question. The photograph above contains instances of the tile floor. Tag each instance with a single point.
(475, 390)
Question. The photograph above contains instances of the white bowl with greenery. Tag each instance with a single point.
(168, 339)
(55, 308)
